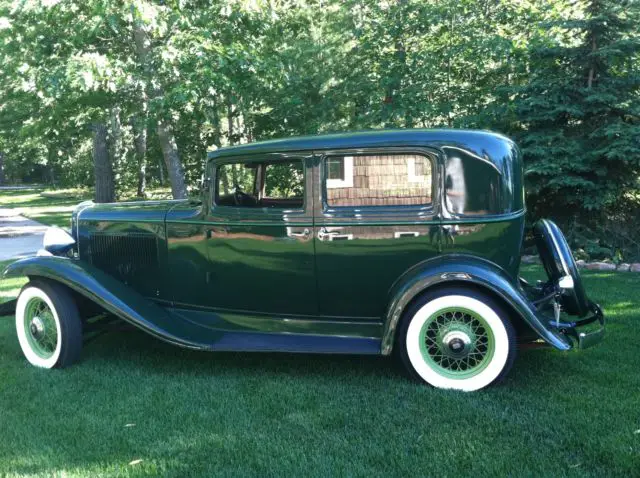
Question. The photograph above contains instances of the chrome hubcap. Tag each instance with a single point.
(457, 343)
(37, 327)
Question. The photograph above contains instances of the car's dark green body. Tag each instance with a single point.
(225, 278)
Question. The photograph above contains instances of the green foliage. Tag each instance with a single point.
(235, 177)
(284, 180)
(578, 121)
(562, 77)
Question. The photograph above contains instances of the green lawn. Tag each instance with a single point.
(48, 207)
(9, 288)
(136, 406)
(54, 207)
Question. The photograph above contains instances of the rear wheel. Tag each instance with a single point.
(48, 325)
(458, 339)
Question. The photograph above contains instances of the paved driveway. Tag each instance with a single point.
(19, 236)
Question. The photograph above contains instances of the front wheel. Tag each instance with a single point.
(48, 325)
(457, 338)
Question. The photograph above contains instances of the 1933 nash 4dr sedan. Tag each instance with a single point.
(403, 241)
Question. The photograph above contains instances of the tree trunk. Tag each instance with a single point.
(592, 69)
(103, 169)
(50, 176)
(115, 143)
(116, 136)
(172, 159)
(1, 168)
(140, 144)
(230, 121)
(164, 128)
(217, 131)
(161, 171)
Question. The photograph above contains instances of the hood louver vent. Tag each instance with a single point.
(125, 256)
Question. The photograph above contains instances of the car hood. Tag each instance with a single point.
(143, 211)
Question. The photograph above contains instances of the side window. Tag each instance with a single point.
(378, 180)
(235, 176)
(235, 184)
(472, 185)
(260, 185)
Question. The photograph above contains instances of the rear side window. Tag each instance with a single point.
(471, 185)
(378, 180)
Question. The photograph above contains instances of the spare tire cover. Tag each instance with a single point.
(558, 262)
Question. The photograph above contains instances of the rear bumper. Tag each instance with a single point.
(586, 332)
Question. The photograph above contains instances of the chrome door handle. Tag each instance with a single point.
(322, 233)
(325, 235)
(304, 233)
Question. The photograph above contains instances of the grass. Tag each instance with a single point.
(54, 207)
(9, 288)
(135, 406)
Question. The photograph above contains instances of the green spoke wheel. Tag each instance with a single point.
(457, 342)
(40, 328)
(457, 339)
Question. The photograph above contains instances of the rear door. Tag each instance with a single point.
(376, 217)
(259, 238)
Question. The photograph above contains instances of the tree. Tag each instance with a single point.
(59, 82)
(1, 168)
(171, 80)
(139, 127)
(155, 92)
(579, 113)
(102, 165)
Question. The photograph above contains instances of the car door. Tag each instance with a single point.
(375, 218)
(259, 237)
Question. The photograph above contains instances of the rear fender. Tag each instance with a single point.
(461, 269)
(110, 294)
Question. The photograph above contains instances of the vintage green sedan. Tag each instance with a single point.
(404, 241)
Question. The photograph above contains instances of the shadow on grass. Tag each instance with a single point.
(155, 356)
(130, 347)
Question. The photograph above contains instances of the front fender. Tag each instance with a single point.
(112, 295)
(461, 269)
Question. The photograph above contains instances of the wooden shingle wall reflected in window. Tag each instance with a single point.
(381, 180)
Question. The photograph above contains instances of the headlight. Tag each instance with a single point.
(57, 241)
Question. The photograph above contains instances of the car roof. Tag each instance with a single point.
(474, 140)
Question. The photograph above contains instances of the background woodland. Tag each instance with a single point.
(128, 95)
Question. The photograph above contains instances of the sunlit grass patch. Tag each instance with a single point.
(9, 288)
(53, 207)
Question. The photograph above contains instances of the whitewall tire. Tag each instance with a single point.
(458, 339)
(48, 325)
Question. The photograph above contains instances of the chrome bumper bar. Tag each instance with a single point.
(586, 332)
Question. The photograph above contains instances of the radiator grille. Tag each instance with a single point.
(124, 255)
